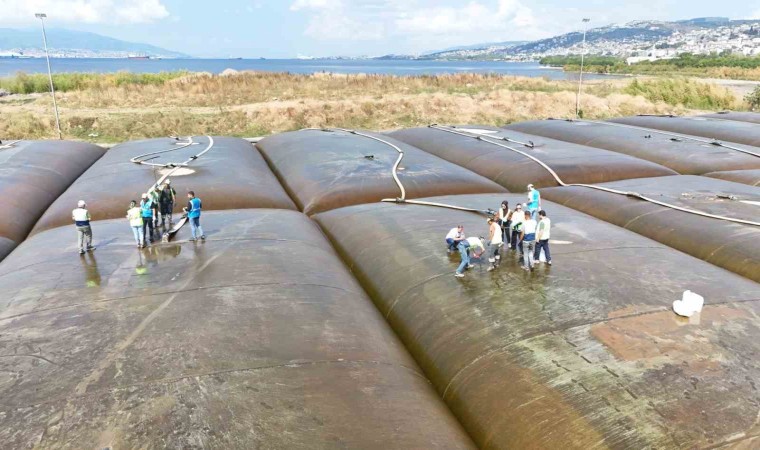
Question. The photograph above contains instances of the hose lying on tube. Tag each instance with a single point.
(140, 159)
(591, 186)
(402, 199)
(8, 144)
(685, 137)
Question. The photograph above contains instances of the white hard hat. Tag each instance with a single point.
(530, 186)
(81, 204)
(145, 196)
(168, 181)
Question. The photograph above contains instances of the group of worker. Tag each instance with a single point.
(154, 211)
(527, 230)
(146, 218)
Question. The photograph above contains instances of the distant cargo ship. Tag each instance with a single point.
(138, 57)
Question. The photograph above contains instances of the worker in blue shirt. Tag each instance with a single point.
(534, 201)
(193, 210)
(146, 210)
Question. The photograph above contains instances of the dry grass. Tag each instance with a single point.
(248, 104)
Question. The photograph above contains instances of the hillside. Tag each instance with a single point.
(68, 43)
(639, 38)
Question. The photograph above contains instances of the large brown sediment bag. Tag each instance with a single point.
(583, 354)
(257, 338)
(739, 116)
(724, 130)
(231, 175)
(574, 163)
(733, 246)
(750, 177)
(32, 175)
(328, 169)
(689, 155)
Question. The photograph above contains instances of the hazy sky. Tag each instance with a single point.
(286, 28)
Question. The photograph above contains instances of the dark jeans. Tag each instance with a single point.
(452, 244)
(506, 233)
(166, 212)
(515, 240)
(148, 224)
(544, 244)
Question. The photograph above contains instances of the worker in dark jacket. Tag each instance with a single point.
(166, 199)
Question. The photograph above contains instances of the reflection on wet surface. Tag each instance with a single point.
(589, 344)
(258, 337)
(90, 265)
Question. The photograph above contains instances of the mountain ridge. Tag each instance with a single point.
(70, 43)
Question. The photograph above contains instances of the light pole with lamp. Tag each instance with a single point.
(580, 77)
(42, 17)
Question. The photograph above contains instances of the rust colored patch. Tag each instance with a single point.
(656, 338)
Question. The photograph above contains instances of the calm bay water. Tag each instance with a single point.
(10, 67)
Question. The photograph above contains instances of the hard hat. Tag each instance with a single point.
(81, 204)
(168, 181)
(530, 186)
(145, 196)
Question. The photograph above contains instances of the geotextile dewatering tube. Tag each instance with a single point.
(675, 136)
(591, 186)
(394, 173)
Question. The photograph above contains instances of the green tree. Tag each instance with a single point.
(753, 98)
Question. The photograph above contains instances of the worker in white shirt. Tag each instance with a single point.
(494, 244)
(81, 219)
(528, 239)
(543, 234)
(455, 236)
(134, 215)
(518, 217)
(505, 221)
(471, 244)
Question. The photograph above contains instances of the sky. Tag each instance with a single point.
(290, 28)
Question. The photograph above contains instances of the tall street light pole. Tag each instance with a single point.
(42, 17)
(580, 77)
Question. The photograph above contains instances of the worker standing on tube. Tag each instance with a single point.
(193, 210)
(146, 210)
(155, 195)
(167, 198)
(134, 215)
(81, 219)
(534, 201)
(505, 221)
(542, 237)
(474, 245)
(495, 243)
(455, 236)
(528, 239)
(518, 217)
